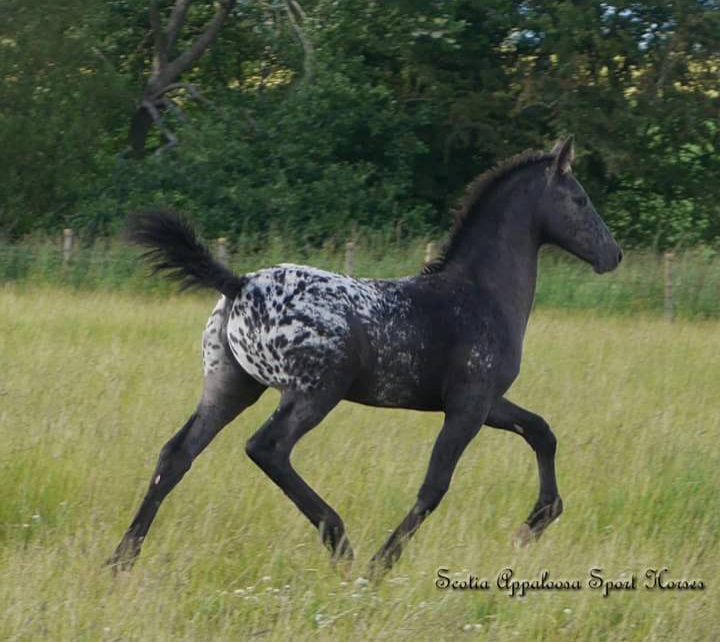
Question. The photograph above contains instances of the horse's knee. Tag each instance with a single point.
(548, 440)
(256, 449)
(541, 437)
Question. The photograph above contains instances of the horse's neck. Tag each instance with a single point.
(500, 254)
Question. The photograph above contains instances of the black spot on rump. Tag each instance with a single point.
(300, 337)
(306, 320)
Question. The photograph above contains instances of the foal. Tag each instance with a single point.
(449, 339)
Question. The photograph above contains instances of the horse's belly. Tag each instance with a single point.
(386, 395)
(399, 378)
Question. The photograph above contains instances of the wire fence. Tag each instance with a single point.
(683, 284)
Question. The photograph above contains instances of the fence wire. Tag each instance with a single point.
(684, 284)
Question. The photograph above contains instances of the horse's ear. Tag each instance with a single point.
(564, 152)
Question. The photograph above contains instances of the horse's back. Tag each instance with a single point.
(291, 325)
(390, 342)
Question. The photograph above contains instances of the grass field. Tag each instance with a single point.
(92, 384)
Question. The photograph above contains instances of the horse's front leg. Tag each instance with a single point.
(535, 430)
(458, 430)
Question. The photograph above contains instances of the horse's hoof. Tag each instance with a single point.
(124, 556)
(344, 568)
(378, 568)
(523, 536)
(119, 565)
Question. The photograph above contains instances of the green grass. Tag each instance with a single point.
(565, 282)
(93, 384)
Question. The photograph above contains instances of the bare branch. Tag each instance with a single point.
(165, 72)
(169, 103)
(299, 9)
(177, 20)
(160, 55)
(292, 7)
(183, 61)
(157, 119)
(190, 89)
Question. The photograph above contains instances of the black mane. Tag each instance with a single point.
(466, 210)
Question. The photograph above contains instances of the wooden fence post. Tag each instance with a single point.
(669, 304)
(222, 249)
(349, 257)
(429, 251)
(68, 242)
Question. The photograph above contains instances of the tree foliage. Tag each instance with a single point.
(326, 113)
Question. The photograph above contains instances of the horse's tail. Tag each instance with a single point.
(174, 248)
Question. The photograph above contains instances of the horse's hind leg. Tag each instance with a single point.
(535, 430)
(270, 448)
(227, 391)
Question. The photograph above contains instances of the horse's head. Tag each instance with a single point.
(569, 219)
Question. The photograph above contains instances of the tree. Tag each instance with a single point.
(637, 84)
(60, 99)
(167, 69)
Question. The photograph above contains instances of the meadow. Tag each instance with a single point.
(93, 383)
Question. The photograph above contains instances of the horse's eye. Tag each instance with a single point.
(580, 201)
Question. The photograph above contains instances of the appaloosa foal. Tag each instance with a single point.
(448, 339)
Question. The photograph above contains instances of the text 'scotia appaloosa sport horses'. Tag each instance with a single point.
(448, 339)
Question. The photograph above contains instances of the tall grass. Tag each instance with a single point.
(637, 286)
(92, 384)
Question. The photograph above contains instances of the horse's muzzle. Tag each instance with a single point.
(609, 261)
